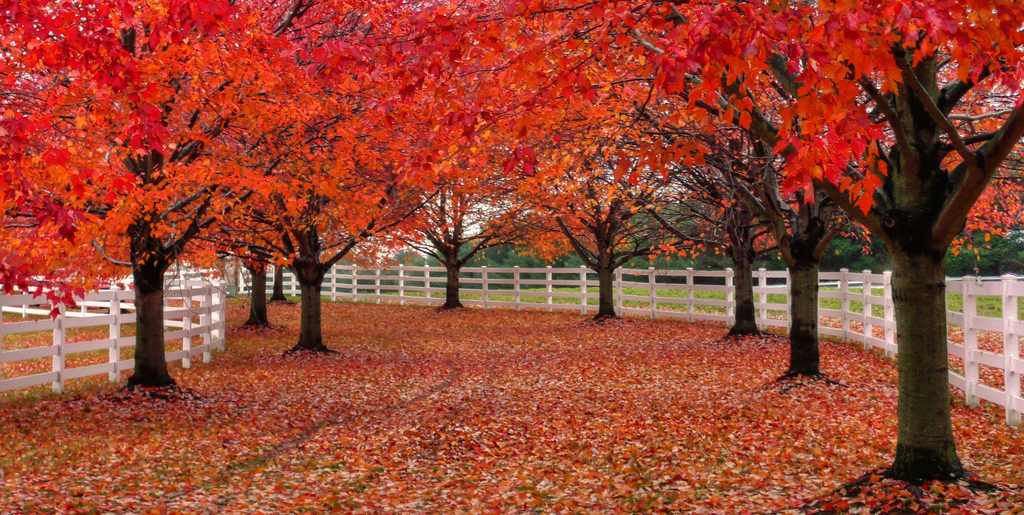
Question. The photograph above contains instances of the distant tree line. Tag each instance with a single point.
(999, 255)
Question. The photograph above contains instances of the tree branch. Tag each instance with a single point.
(910, 77)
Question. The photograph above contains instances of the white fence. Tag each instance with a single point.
(709, 295)
(194, 314)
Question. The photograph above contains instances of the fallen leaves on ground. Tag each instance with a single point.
(875, 493)
(484, 411)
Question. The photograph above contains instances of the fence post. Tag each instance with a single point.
(426, 283)
(186, 326)
(730, 298)
(583, 289)
(206, 321)
(689, 294)
(355, 283)
(652, 291)
(515, 284)
(762, 298)
(889, 309)
(618, 291)
(844, 302)
(216, 315)
(865, 323)
(60, 337)
(219, 319)
(114, 353)
(483, 283)
(1011, 348)
(547, 284)
(376, 286)
(971, 366)
(401, 284)
(334, 283)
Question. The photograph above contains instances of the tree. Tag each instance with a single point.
(257, 295)
(320, 226)
(902, 114)
(802, 228)
(278, 294)
(704, 208)
(346, 147)
(472, 208)
(128, 126)
(603, 220)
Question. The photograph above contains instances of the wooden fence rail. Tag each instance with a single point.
(855, 306)
(194, 315)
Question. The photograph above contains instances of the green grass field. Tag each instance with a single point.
(988, 306)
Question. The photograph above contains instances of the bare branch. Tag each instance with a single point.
(106, 256)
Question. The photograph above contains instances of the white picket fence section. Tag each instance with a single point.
(194, 313)
(697, 295)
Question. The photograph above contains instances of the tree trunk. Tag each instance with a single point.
(925, 448)
(258, 298)
(803, 329)
(606, 293)
(310, 326)
(278, 295)
(150, 356)
(451, 288)
(743, 282)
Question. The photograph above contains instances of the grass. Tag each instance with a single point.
(988, 306)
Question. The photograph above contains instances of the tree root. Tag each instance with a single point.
(790, 381)
(743, 333)
(133, 384)
(132, 392)
(883, 494)
(309, 351)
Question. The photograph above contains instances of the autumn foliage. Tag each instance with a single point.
(136, 135)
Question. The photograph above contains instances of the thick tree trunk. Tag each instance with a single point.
(310, 327)
(258, 299)
(605, 293)
(451, 288)
(803, 329)
(925, 448)
(278, 294)
(743, 282)
(150, 357)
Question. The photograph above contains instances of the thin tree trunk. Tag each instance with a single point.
(311, 280)
(925, 448)
(451, 288)
(803, 330)
(150, 357)
(606, 293)
(258, 298)
(743, 282)
(278, 295)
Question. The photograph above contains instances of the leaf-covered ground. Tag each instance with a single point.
(494, 412)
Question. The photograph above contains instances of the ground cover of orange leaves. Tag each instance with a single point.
(496, 411)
